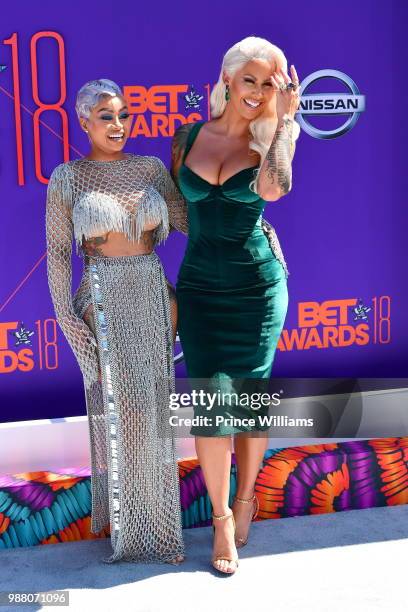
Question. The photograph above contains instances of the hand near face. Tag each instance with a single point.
(287, 100)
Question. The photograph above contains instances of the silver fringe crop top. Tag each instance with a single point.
(122, 195)
(87, 198)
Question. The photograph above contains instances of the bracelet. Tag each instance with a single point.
(287, 120)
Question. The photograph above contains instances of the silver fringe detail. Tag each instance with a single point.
(101, 330)
(134, 469)
(96, 213)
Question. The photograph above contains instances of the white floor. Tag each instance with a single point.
(353, 561)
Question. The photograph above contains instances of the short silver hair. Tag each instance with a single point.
(92, 92)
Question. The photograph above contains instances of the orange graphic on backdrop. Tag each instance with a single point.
(11, 360)
(324, 325)
(162, 102)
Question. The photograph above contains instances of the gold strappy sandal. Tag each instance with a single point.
(240, 542)
(225, 557)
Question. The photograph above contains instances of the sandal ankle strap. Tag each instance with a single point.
(245, 501)
(222, 517)
(254, 498)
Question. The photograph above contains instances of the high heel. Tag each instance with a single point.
(224, 557)
(240, 542)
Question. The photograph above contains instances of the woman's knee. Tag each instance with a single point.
(173, 306)
(89, 318)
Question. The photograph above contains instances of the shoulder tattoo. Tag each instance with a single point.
(180, 140)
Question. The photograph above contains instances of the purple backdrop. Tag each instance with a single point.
(343, 227)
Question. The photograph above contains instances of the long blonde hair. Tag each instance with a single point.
(261, 129)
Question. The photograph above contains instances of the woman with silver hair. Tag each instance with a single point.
(118, 206)
(231, 285)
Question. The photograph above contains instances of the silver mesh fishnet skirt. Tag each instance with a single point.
(135, 485)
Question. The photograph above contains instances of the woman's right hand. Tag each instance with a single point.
(287, 100)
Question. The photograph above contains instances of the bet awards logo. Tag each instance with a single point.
(160, 109)
(24, 347)
(349, 104)
(17, 357)
(339, 324)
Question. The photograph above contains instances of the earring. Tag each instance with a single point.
(227, 93)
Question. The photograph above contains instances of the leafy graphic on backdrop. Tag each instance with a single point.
(192, 98)
(22, 335)
(361, 311)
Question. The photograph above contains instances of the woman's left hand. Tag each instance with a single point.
(287, 100)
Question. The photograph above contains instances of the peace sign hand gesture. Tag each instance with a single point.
(287, 92)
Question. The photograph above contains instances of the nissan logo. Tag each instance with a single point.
(347, 104)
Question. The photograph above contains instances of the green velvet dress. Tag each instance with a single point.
(232, 298)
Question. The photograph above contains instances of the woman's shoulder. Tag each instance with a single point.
(182, 133)
(154, 163)
(62, 172)
(180, 141)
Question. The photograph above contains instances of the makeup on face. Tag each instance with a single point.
(115, 127)
(253, 86)
(110, 123)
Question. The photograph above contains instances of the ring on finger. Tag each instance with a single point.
(292, 85)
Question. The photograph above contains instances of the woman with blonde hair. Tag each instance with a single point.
(231, 289)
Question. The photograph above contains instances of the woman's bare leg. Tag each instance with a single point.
(89, 319)
(249, 452)
(214, 456)
(173, 309)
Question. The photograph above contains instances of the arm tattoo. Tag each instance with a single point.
(278, 158)
(177, 148)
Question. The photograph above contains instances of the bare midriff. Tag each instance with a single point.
(117, 244)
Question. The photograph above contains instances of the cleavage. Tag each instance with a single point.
(241, 163)
(221, 183)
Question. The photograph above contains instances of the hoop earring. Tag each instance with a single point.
(227, 93)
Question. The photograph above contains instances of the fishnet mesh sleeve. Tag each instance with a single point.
(176, 204)
(59, 235)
